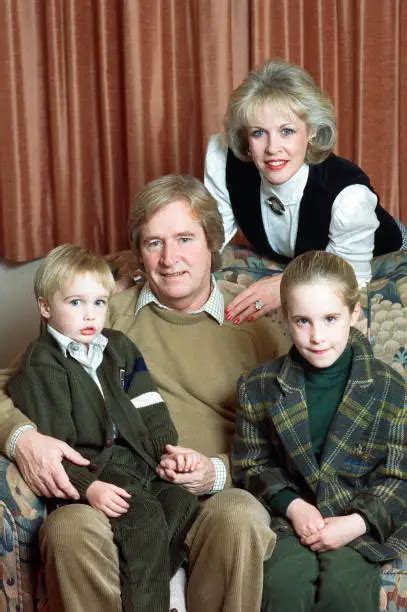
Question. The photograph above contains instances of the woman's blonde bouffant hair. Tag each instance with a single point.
(320, 266)
(287, 86)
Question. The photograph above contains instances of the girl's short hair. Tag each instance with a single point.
(167, 189)
(286, 85)
(320, 266)
(66, 261)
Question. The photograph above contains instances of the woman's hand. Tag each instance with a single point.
(264, 292)
(127, 268)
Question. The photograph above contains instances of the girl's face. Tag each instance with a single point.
(319, 321)
(278, 142)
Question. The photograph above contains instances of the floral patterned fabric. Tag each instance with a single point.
(21, 512)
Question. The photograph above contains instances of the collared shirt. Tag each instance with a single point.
(90, 360)
(214, 306)
(353, 217)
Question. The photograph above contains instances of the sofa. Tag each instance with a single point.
(384, 321)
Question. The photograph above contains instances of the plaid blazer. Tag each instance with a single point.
(363, 466)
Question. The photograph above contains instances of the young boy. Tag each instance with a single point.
(320, 439)
(93, 391)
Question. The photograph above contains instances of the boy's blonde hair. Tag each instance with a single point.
(320, 266)
(167, 189)
(66, 261)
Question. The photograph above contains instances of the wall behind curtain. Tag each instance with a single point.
(99, 96)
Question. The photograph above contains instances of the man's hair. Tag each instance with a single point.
(315, 266)
(167, 189)
(63, 263)
(287, 86)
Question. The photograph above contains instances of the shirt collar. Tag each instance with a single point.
(289, 192)
(215, 305)
(67, 344)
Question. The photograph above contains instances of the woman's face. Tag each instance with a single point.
(278, 141)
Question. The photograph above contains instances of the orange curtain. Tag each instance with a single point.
(99, 96)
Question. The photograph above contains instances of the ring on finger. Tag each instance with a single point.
(258, 305)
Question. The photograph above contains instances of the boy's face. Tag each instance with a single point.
(79, 309)
(319, 322)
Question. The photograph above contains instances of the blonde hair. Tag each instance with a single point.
(320, 266)
(167, 189)
(286, 85)
(66, 261)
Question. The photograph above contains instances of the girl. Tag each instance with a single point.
(320, 439)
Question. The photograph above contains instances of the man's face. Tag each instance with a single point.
(176, 257)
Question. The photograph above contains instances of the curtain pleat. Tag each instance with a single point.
(99, 96)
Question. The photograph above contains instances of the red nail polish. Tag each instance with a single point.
(236, 321)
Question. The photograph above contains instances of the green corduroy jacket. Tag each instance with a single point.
(63, 400)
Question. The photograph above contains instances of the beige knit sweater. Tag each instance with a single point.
(196, 364)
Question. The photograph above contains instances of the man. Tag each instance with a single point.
(196, 356)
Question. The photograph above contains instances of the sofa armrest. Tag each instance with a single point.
(21, 515)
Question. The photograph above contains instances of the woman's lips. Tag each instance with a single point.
(277, 164)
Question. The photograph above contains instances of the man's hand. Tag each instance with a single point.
(39, 460)
(305, 518)
(337, 532)
(200, 475)
(108, 498)
(266, 292)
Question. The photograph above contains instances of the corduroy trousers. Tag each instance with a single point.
(296, 578)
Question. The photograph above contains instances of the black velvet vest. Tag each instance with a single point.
(325, 181)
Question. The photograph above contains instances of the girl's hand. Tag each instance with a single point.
(108, 498)
(305, 518)
(337, 532)
(264, 292)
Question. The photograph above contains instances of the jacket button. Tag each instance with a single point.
(109, 443)
(92, 467)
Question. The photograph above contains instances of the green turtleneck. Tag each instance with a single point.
(324, 389)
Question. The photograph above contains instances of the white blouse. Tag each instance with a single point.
(353, 218)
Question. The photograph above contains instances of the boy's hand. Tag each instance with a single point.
(200, 475)
(305, 518)
(181, 462)
(108, 498)
(337, 532)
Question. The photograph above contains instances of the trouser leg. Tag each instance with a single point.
(290, 578)
(228, 543)
(81, 561)
(174, 498)
(141, 536)
(347, 582)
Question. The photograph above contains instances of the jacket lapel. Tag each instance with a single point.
(290, 418)
(354, 414)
